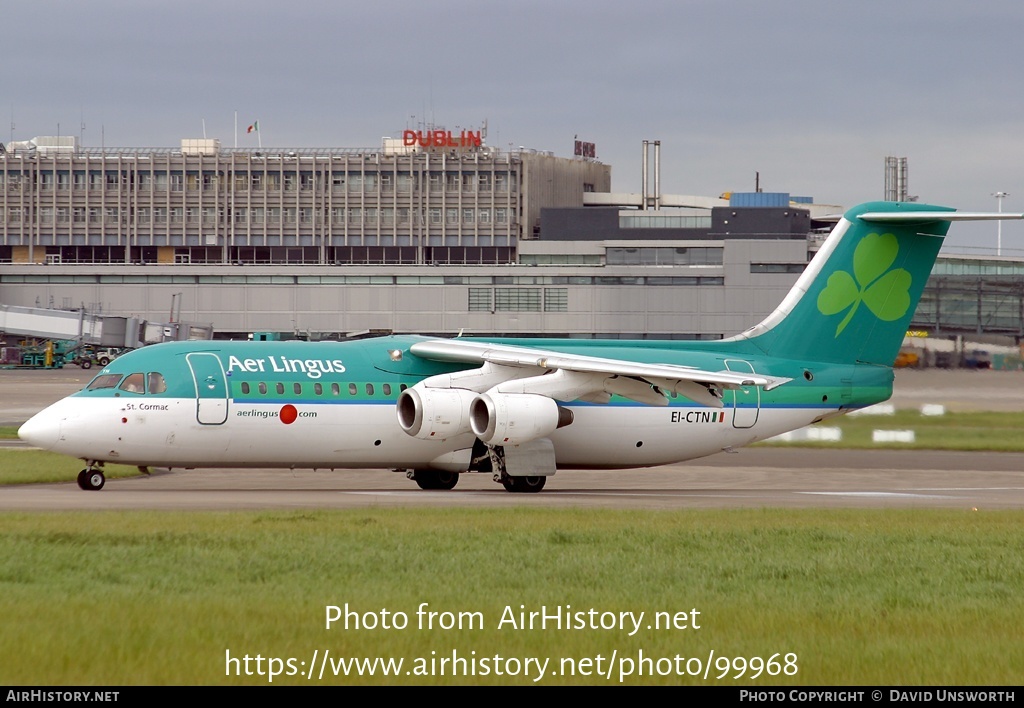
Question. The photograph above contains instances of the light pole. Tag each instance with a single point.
(999, 224)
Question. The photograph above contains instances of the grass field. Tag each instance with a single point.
(995, 431)
(859, 597)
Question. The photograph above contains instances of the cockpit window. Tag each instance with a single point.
(104, 381)
(157, 384)
(134, 383)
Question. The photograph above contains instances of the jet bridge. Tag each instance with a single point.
(97, 330)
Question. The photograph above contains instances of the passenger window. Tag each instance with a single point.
(245, 387)
(369, 389)
(352, 390)
(297, 387)
(157, 384)
(104, 381)
(280, 387)
(134, 383)
(318, 389)
(335, 389)
(387, 389)
(263, 388)
(402, 387)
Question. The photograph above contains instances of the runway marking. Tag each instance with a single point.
(877, 494)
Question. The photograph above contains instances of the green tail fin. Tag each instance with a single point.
(855, 300)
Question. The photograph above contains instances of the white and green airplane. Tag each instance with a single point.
(518, 409)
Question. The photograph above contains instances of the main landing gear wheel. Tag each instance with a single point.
(435, 479)
(523, 485)
(91, 480)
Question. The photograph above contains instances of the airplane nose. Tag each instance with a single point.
(41, 430)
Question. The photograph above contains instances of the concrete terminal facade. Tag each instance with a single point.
(435, 237)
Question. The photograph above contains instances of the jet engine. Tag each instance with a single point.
(515, 418)
(434, 413)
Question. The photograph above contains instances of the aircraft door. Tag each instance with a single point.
(211, 387)
(746, 400)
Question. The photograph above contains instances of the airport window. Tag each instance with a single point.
(501, 182)
(297, 388)
(517, 299)
(435, 181)
(484, 181)
(318, 389)
(452, 181)
(404, 183)
(245, 387)
(435, 216)
(777, 267)
(263, 388)
(556, 299)
(387, 183)
(451, 216)
(352, 390)
(468, 216)
(355, 183)
(177, 182)
(104, 381)
(157, 383)
(403, 215)
(480, 300)
(134, 383)
(280, 388)
(369, 389)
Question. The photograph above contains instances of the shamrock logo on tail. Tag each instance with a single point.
(885, 292)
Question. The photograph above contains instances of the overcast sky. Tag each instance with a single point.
(812, 94)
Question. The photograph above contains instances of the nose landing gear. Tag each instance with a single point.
(91, 478)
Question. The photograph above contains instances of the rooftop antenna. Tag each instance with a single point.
(204, 129)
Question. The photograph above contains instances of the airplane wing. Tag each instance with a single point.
(646, 383)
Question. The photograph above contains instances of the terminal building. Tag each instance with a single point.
(432, 233)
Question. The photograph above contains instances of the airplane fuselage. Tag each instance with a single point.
(333, 405)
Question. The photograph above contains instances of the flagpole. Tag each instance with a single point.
(236, 128)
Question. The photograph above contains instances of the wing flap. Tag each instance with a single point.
(697, 384)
